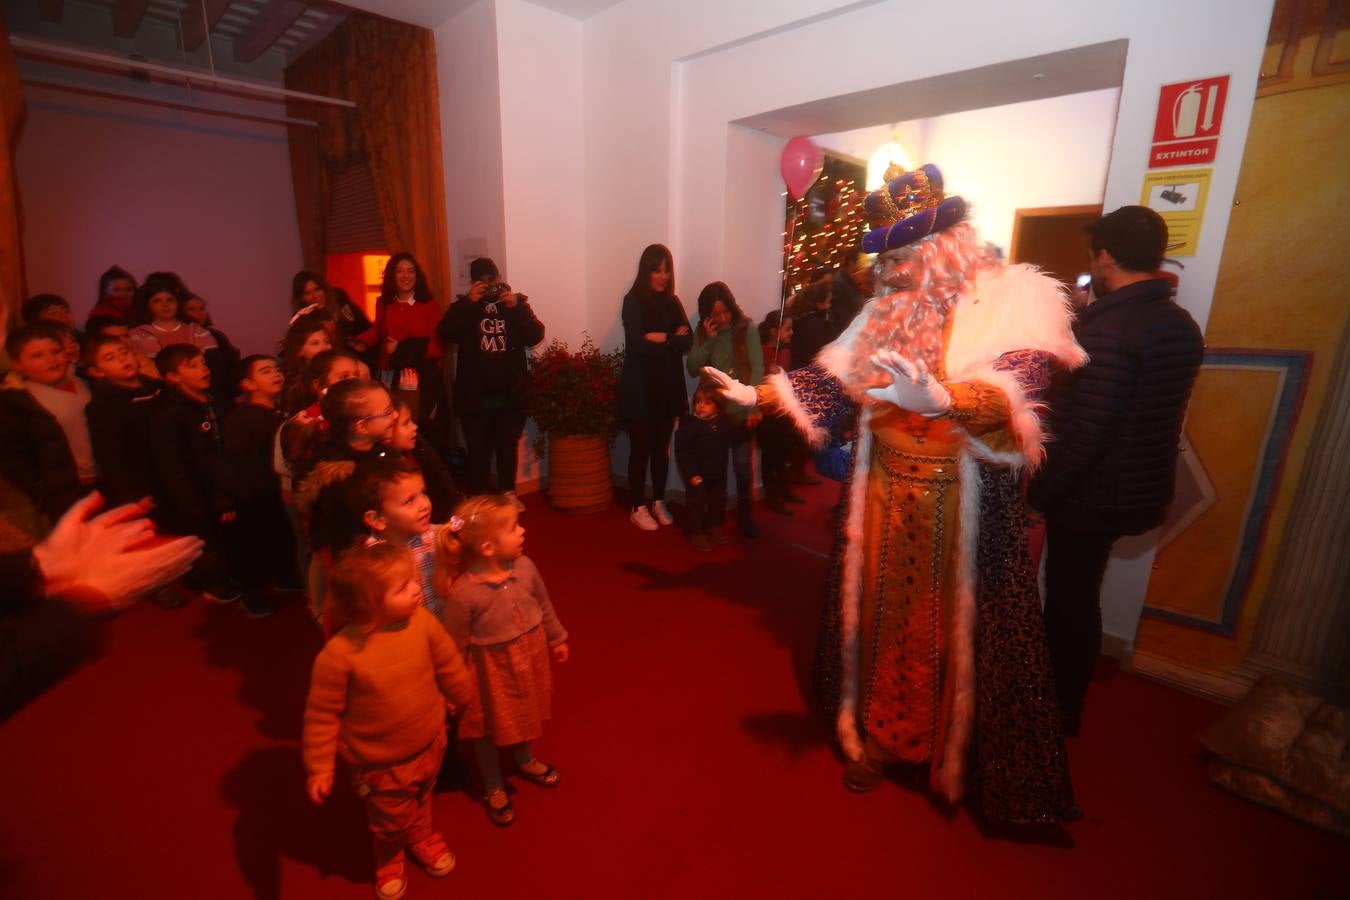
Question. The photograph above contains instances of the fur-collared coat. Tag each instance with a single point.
(992, 695)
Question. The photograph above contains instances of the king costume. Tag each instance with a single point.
(932, 645)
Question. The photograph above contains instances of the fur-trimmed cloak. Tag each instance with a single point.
(1006, 332)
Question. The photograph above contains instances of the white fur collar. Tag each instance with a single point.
(1011, 308)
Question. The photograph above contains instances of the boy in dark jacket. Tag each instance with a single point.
(702, 449)
(264, 545)
(119, 426)
(192, 480)
(45, 450)
(119, 419)
(492, 326)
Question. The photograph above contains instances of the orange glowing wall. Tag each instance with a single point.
(359, 274)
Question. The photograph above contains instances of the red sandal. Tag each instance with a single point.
(500, 816)
(548, 778)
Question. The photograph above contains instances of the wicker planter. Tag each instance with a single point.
(578, 473)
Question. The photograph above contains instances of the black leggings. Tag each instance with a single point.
(648, 439)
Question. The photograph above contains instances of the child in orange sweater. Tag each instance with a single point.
(378, 697)
(498, 612)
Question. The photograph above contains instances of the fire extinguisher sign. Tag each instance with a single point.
(1190, 116)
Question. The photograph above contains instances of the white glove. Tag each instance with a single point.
(730, 388)
(912, 387)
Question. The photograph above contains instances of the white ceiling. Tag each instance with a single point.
(430, 13)
(1034, 78)
(577, 9)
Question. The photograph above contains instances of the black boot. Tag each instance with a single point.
(775, 491)
(747, 525)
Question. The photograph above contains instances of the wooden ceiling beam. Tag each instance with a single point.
(271, 22)
(127, 17)
(195, 27)
(324, 28)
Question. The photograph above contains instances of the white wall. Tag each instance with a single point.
(471, 138)
(1051, 152)
(636, 105)
(543, 186)
(755, 205)
(105, 181)
(860, 143)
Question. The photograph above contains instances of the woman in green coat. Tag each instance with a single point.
(727, 340)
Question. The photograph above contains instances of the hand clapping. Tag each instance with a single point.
(111, 554)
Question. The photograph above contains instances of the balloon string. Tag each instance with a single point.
(787, 256)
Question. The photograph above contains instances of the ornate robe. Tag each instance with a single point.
(932, 646)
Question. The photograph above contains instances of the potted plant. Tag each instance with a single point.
(573, 402)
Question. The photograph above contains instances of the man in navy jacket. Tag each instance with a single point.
(1116, 423)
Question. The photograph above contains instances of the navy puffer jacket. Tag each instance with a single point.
(1116, 423)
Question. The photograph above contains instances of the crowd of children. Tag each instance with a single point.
(303, 471)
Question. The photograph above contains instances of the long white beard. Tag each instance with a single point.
(918, 289)
(919, 321)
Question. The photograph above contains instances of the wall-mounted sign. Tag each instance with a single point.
(1190, 116)
(1179, 197)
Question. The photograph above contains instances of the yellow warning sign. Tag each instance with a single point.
(1179, 197)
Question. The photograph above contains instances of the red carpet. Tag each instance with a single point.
(691, 767)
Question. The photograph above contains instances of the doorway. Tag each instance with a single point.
(1053, 238)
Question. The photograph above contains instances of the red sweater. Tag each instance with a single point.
(405, 320)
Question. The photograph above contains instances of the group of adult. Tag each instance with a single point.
(660, 347)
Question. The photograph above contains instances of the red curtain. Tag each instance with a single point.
(11, 112)
(389, 70)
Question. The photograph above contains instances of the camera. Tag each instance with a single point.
(494, 292)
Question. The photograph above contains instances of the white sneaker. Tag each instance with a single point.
(662, 514)
(643, 519)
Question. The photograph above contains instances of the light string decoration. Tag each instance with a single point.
(823, 225)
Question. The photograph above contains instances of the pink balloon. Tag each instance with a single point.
(801, 165)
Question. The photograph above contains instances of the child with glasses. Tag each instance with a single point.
(361, 417)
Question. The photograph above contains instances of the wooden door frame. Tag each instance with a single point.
(1037, 212)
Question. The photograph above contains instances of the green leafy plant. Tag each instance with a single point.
(574, 393)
